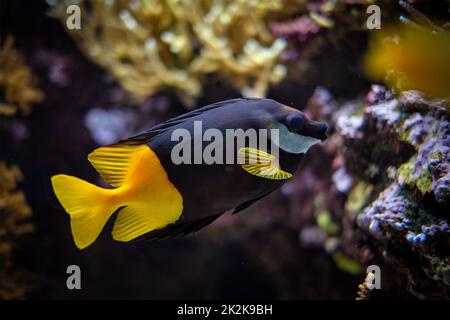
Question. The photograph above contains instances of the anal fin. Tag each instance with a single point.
(134, 222)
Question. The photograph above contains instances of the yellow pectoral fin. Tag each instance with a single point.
(261, 164)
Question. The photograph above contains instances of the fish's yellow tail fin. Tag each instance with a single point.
(149, 200)
(89, 207)
(142, 189)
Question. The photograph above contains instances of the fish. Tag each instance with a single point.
(410, 57)
(154, 197)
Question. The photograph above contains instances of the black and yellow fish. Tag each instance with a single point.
(156, 198)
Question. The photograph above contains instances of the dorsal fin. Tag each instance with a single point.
(113, 162)
(146, 136)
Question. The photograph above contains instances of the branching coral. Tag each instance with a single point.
(18, 89)
(363, 288)
(17, 93)
(151, 45)
(14, 215)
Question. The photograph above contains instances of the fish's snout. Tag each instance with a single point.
(299, 123)
(323, 130)
(317, 130)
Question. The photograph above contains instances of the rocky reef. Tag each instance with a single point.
(391, 164)
(409, 218)
(179, 46)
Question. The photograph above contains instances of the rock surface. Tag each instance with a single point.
(392, 159)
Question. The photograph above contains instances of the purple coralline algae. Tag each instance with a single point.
(391, 162)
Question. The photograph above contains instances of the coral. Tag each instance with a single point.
(386, 189)
(363, 289)
(18, 89)
(428, 170)
(405, 215)
(14, 216)
(152, 45)
(18, 92)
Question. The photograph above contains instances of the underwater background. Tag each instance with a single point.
(377, 192)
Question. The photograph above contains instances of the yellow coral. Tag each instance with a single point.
(151, 45)
(14, 215)
(17, 83)
(363, 289)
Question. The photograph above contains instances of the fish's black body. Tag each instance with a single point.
(208, 190)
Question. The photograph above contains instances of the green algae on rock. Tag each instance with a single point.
(408, 219)
(391, 161)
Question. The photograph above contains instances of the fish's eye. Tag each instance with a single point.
(295, 122)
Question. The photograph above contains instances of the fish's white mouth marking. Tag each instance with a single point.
(292, 142)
